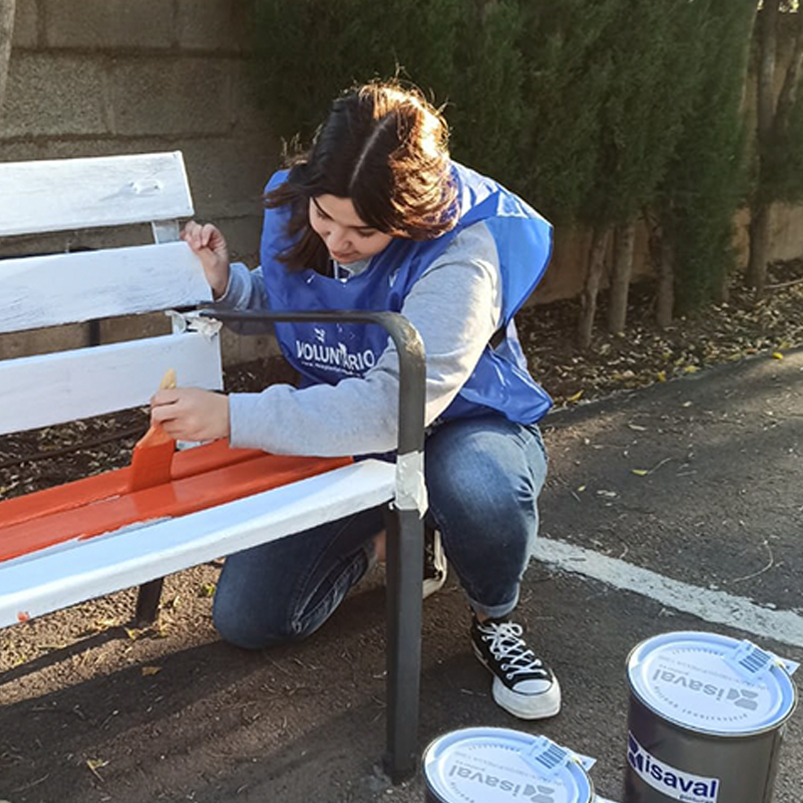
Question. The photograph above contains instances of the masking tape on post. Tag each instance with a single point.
(411, 490)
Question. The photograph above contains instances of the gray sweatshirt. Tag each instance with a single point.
(455, 306)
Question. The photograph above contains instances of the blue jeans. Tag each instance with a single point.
(483, 478)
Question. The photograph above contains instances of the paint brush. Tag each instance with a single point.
(153, 453)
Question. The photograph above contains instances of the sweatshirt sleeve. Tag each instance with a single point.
(245, 292)
(456, 308)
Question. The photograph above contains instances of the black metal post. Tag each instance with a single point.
(405, 545)
(148, 602)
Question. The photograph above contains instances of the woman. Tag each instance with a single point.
(376, 216)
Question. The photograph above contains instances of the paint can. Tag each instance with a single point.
(706, 719)
(498, 765)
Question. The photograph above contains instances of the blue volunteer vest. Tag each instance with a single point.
(327, 353)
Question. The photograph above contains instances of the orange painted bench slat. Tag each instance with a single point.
(114, 483)
(105, 507)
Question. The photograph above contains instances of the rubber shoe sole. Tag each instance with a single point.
(438, 568)
(524, 706)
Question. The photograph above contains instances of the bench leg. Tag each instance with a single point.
(148, 602)
(404, 570)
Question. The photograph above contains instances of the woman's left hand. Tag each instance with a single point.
(191, 414)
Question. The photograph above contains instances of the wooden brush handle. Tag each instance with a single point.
(168, 380)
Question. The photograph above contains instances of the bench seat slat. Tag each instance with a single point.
(180, 497)
(186, 463)
(64, 194)
(69, 288)
(70, 573)
(64, 386)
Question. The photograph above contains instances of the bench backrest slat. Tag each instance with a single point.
(44, 291)
(55, 388)
(65, 194)
(70, 288)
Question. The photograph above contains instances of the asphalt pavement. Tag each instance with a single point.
(676, 507)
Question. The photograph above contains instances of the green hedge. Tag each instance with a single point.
(591, 109)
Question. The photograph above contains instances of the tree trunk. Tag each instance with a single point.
(791, 81)
(661, 259)
(722, 287)
(765, 111)
(6, 34)
(588, 299)
(759, 246)
(748, 44)
(624, 240)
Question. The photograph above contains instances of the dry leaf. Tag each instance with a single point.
(147, 671)
(575, 397)
(99, 625)
(206, 590)
(95, 764)
(637, 427)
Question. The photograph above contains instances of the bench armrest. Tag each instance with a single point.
(405, 543)
(412, 364)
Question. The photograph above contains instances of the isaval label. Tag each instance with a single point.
(670, 781)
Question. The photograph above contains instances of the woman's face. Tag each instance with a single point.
(347, 237)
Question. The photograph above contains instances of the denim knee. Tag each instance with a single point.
(483, 477)
(237, 626)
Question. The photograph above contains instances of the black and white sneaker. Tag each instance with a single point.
(435, 566)
(523, 684)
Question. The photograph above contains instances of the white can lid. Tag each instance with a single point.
(711, 683)
(497, 765)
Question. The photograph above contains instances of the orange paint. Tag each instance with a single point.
(153, 452)
(224, 475)
(151, 460)
(114, 483)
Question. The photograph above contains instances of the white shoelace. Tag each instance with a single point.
(509, 649)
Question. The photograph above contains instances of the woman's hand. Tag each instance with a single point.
(191, 414)
(210, 245)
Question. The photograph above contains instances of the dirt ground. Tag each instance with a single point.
(93, 709)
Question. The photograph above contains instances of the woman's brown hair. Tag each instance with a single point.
(385, 148)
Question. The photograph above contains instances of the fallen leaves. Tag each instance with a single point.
(646, 355)
(149, 671)
(206, 590)
(94, 764)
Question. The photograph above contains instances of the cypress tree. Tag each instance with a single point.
(775, 123)
(567, 71)
(487, 110)
(706, 178)
(640, 123)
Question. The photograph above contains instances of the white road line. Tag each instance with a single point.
(712, 606)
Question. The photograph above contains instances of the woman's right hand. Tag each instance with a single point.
(210, 245)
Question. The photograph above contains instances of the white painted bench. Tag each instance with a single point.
(61, 386)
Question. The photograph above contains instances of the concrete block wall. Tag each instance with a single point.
(95, 77)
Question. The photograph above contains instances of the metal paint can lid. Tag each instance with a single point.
(711, 683)
(498, 765)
